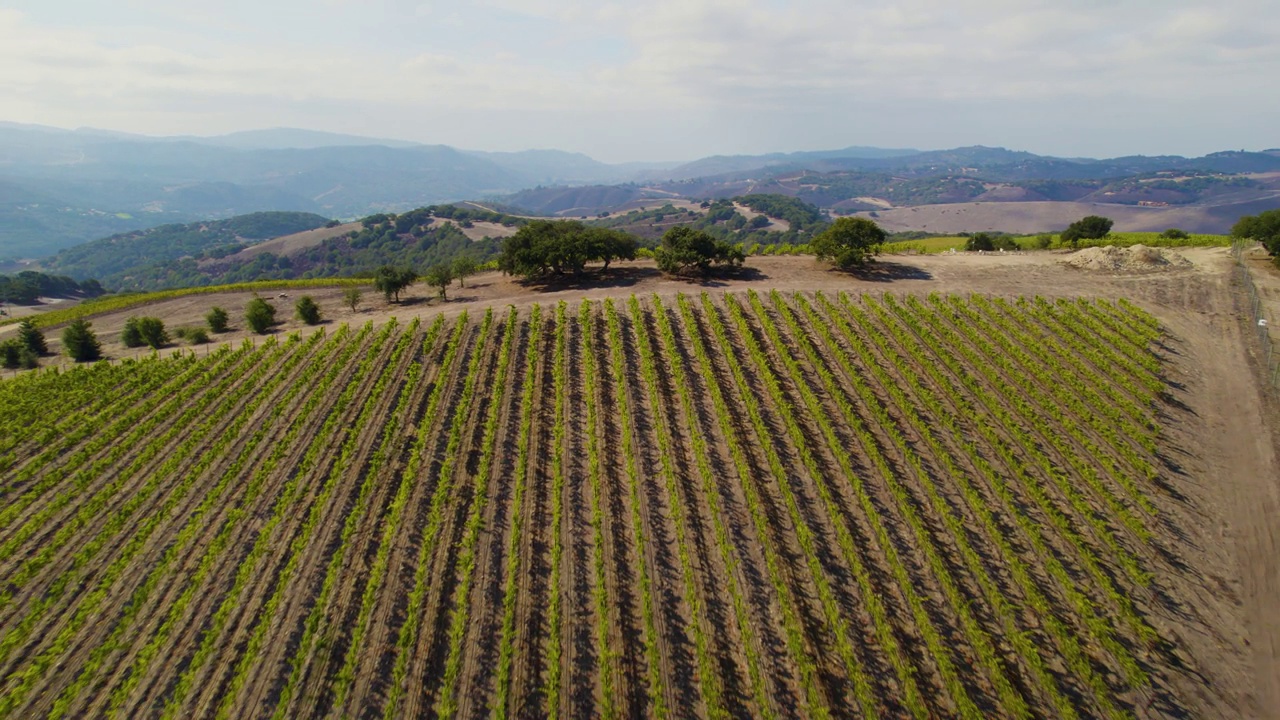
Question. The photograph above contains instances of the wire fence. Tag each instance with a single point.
(1258, 313)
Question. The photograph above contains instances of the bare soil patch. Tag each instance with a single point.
(1130, 260)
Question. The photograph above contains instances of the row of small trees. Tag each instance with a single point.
(81, 343)
(546, 247)
(391, 280)
(539, 248)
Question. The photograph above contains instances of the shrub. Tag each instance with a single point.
(351, 296)
(193, 335)
(1044, 240)
(132, 335)
(217, 319)
(260, 315)
(139, 331)
(307, 310)
(14, 355)
(1175, 234)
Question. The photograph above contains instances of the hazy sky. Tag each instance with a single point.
(664, 79)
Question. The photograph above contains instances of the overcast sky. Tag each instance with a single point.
(663, 79)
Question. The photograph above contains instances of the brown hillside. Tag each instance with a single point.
(1044, 216)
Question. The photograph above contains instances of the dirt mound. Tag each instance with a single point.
(1133, 259)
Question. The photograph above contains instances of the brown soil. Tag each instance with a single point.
(289, 244)
(1051, 216)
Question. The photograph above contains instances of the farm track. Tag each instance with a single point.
(330, 623)
(584, 662)
(743, 652)
(648, 537)
(342, 613)
(695, 506)
(616, 636)
(436, 579)
(831, 512)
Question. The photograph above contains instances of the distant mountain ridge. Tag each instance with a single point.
(61, 187)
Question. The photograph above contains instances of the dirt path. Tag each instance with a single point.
(1238, 453)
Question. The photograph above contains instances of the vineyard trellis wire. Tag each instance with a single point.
(1258, 315)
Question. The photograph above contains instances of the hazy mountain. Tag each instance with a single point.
(293, 139)
(725, 164)
(62, 187)
(111, 258)
(556, 167)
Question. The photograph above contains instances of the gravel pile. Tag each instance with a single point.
(1133, 259)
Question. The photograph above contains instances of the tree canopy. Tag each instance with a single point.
(686, 251)
(391, 280)
(439, 276)
(545, 247)
(1092, 227)
(849, 242)
(28, 286)
(463, 267)
(260, 315)
(1263, 227)
(30, 337)
(80, 342)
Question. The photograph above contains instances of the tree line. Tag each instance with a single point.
(28, 286)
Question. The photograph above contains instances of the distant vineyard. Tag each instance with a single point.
(112, 303)
(710, 506)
